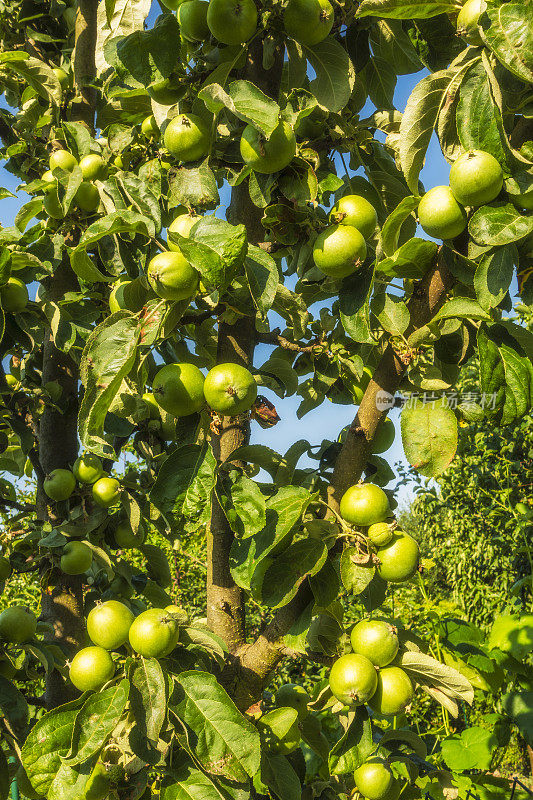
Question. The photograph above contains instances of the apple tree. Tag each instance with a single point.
(203, 181)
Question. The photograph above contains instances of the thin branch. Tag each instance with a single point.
(197, 319)
(274, 337)
(17, 506)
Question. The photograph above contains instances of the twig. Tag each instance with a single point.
(275, 338)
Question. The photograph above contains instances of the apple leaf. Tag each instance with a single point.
(225, 742)
(508, 32)
(494, 274)
(288, 570)
(335, 74)
(499, 224)
(429, 435)
(246, 101)
(406, 9)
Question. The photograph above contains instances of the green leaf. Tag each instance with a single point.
(78, 138)
(140, 197)
(278, 724)
(494, 274)
(392, 313)
(392, 226)
(406, 9)
(108, 356)
(429, 435)
(13, 706)
(519, 706)
(355, 577)
(258, 454)
(280, 777)
(391, 44)
(419, 121)
(479, 121)
(225, 743)
(190, 784)
(148, 54)
(283, 512)
(285, 472)
(27, 212)
(117, 222)
(117, 18)
(95, 721)
(246, 101)
(158, 567)
(215, 248)
(291, 306)
(36, 73)
(429, 671)
(313, 735)
(278, 374)
(69, 782)
(335, 74)
(473, 749)
(508, 32)
(248, 504)
(506, 374)
(263, 278)
(325, 585)
(499, 224)
(354, 295)
(288, 570)
(197, 501)
(380, 82)
(461, 308)
(411, 260)
(175, 476)
(194, 187)
(47, 742)
(148, 698)
(354, 746)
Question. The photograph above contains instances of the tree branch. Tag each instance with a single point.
(428, 296)
(249, 671)
(274, 337)
(201, 316)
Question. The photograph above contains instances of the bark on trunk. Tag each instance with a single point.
(236, 344)
(62, 601)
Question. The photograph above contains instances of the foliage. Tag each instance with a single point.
(170, 123)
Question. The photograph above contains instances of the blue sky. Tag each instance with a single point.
(326, 421)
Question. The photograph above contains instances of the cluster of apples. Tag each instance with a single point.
(368, 675)
(476, 178)
(88, 470)
(181, 389)
(154, 633)
(234, 22)
(340, 249)
(87, 197)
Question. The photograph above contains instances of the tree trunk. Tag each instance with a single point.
(62, 601)
(236, 344)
